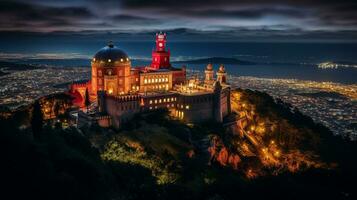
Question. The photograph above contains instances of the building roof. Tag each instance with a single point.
(110, 53)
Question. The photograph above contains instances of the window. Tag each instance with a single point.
(159, 100)
(121, 72)
(145, 80)
(187, 107)
(155, 101)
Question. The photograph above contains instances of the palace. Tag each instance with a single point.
(120, 90)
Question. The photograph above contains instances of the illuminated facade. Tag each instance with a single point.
(120, 91)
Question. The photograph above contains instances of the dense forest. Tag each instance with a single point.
(266, 149)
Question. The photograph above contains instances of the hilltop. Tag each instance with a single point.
(266, 149)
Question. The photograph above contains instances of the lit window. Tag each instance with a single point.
(150, 102)
(187, 107)
(155, 107)
(145, 81)
(167, 79)
(181, 106)
(155, 80)
(168, 99)
(159, 100)
(150, 108)
(172, 99)
(164, 100)
(136, 79)
(155, 101)
(121, 60)
(109, 60)
(149, 80)
(127, 59)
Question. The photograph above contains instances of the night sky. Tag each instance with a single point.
(312, 20)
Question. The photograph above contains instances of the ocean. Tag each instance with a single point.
(273, 60)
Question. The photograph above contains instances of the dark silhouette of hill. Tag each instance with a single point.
(156, 157)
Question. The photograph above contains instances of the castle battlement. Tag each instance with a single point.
(123, 98)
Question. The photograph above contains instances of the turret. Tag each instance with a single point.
(217, 111)
(160, 41)
(209, 75)
(222, 75)
(160, 56)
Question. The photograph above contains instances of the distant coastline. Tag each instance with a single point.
(217, 60)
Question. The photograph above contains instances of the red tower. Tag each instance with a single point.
(160, 57)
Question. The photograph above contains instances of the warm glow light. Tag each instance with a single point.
(109, 60)
(110, 91)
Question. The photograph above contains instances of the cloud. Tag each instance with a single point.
(18, 15)
(224, 18)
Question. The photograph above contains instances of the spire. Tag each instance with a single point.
(110, 44)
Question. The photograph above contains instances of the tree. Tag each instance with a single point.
(56, 109)
(87, 101)
(37, 120)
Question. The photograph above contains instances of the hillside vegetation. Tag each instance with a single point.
(266, 149)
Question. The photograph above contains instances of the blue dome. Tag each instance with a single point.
(111, 53)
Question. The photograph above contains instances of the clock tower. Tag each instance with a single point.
(160, 56)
